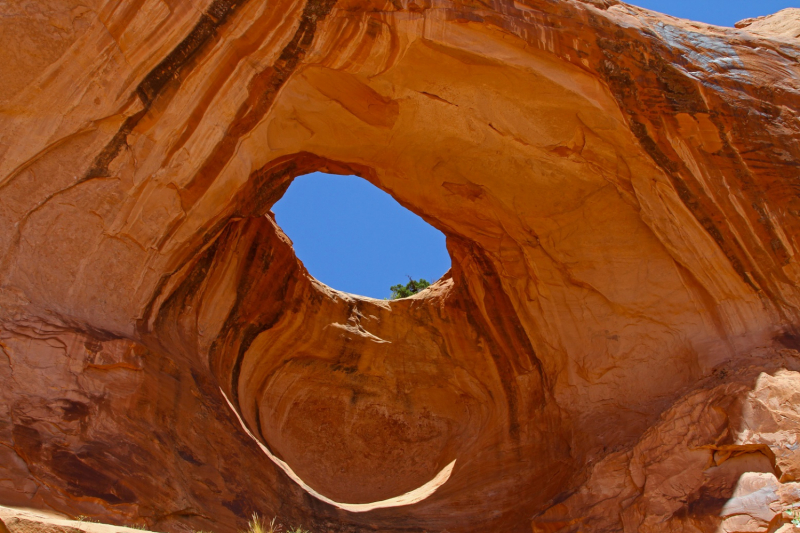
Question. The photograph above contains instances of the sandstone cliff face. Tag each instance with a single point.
(613, 350)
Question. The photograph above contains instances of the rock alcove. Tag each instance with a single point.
(619, 192)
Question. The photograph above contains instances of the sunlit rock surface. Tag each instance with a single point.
(785, 23)
(613, 350)
(26, 521)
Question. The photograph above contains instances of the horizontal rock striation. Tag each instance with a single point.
(614, 348)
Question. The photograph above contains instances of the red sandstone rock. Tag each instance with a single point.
(785, 23)
(613, 349)
(25, 521)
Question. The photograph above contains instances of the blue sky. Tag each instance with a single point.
(719, 12)
(356, 238)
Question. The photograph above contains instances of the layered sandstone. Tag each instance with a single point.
(613, 349)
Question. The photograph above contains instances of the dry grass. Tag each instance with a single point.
(260, 525)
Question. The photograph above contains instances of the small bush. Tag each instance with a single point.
(409, 289)
(794, 515)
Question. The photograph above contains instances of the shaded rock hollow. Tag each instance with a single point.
(613, 349)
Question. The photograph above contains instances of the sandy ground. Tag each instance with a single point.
(29, 521)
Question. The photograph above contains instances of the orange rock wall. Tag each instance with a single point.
(619, 191)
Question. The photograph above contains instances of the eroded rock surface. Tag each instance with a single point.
(785, 23)
(25, 521)
(613, 349)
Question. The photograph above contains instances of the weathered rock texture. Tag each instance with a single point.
(24, 521)
(613, 349)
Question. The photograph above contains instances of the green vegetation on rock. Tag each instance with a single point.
(409, 289)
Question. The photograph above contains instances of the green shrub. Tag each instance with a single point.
(794, 515)
(409, 289)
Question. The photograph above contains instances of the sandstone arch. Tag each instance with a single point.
(619, 193)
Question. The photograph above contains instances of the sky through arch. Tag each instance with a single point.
(356, 238)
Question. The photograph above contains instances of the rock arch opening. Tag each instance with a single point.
(356, 238)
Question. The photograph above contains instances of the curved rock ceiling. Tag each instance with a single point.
(613, 349)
